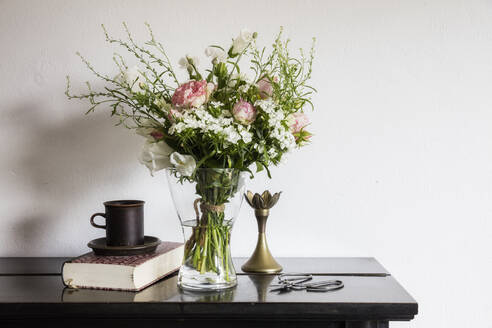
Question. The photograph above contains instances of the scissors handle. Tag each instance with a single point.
(299, 281)
(324, 286)
(296, 278)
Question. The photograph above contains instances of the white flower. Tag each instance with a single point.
(246, 136)
(155, 155)
(244, 88)
(231, 135)
(278, 131)
(216, 104)
(272, 152)
(134, 79)
(242, 41)
(187, 61)
(236, 78)
(218, 55)
(223, 126)
(185, 164)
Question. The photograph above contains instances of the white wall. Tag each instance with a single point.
(399, 168)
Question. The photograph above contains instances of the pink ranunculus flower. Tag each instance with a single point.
(265, 87)
(244, 112)
(297, 122)
(191, 94)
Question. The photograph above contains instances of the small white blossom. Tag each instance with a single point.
(216, 104)
(244, 88)
(177, 128)
(246, 136)
(223, 127)
(218, 55)
(236, 77)
(231, 135)
(187, 62)
(278, 131)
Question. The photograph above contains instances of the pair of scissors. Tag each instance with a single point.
(300, 281)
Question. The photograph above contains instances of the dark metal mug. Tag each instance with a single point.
(124, 222)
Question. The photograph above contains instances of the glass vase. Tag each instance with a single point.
(207, 205)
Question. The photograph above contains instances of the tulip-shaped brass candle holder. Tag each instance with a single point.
(262, 260)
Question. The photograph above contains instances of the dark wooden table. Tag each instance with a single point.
(32, 293)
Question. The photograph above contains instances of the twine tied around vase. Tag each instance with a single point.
(206, 207)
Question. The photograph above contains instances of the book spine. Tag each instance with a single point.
(62, 273)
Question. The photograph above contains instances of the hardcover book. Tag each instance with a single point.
(130, 273)
(165, 289)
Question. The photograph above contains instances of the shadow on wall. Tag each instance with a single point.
(56, 163)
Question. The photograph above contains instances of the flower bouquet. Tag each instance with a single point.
(209, 131)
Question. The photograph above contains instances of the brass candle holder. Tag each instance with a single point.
(262, 260)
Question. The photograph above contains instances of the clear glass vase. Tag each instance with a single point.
(207, 205)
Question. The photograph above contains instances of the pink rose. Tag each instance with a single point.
(191, 94)
(244, 112)
(265, 87)
(297, 122)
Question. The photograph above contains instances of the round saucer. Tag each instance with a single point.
(100, 248)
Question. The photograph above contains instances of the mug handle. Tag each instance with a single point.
(95, 224)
